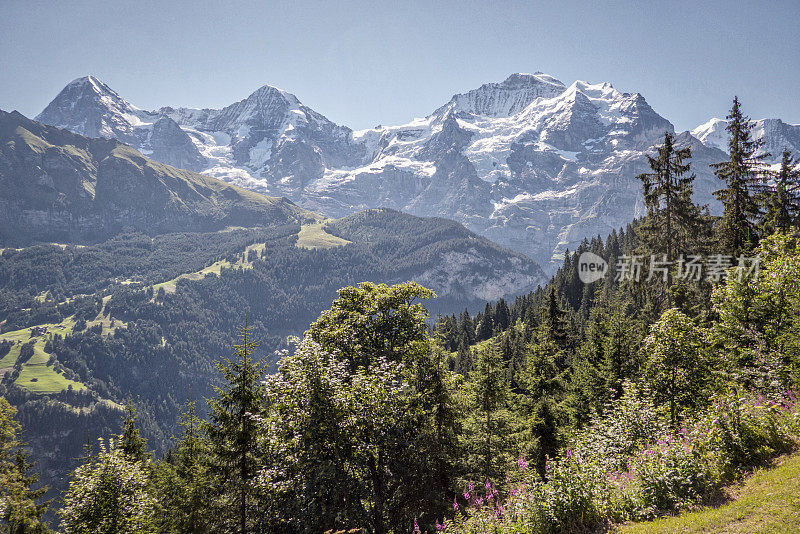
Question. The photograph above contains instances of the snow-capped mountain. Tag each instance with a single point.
(89, 107)
(530, 162)
(777, 136)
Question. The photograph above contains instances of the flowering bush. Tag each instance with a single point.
(628, 466)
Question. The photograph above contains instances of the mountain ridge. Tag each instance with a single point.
(531, 163)
(62, 186)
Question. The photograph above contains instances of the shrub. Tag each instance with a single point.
(627, 466)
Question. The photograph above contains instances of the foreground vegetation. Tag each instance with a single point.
(766, 502)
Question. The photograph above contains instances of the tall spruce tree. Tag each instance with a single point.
(554, 320)
(234, 432)
(743, 174)
(131, 443)
(673, 220)
(489, 424)
(485, 325)
(544, 389)
(21, 506)
(783, 198)
(182, 481)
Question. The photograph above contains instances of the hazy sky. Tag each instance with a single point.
(375, 62)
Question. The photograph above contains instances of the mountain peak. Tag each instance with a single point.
(88, 84)
(89, 107)
(524, 78)
(506, 98)
(270, 93)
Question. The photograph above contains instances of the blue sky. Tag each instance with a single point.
(368, 63)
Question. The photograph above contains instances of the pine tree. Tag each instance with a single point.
(464, 360)
(743, 176)
(489, 424)
(234, 431)
(675, 224)
(554, 320)
(21, 508)
(783, 199)
(543, 389)
(183, 483)
(502, 316)
(619, 350)
(131, 443)
(466, 328)
(485, 325)
(434, 453)
(672, 218)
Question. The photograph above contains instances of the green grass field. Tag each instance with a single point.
(313, 236)
(767, 502)
(36, 375)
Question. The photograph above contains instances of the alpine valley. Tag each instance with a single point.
(125, 278)
(136, 242)
(531, 163)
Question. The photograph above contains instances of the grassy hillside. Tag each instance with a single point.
(769, 501)
(60, 186)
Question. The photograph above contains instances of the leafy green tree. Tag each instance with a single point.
(307, 470)
(757, 328)
(21, 507)
(108, 495)
(234, 433)
(373, 322)
(677, 368)
(743, 176)
(361, 422)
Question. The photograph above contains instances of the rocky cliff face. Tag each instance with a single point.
(529, 162)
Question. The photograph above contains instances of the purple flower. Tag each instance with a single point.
(439, 527)
(455, 504)
(416, 526)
